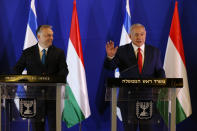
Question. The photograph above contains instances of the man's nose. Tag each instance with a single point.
(51, 37)
(139, 37)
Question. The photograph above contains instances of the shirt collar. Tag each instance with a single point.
(41, 48)
(136, 48)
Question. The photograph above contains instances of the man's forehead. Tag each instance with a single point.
(139, 30)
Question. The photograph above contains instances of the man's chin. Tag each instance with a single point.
(50, 44)
(138, 44)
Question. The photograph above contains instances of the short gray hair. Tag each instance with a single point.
(42, 27)
(136, 25)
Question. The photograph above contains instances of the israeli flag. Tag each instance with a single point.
(30, 37)
(30, 40)
(126, 26)
(124, 40)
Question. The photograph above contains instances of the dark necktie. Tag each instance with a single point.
(139, 55)
(43, 56)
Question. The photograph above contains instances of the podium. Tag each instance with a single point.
(143, 92)
(36, 88)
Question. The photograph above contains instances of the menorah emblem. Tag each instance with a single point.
(144, 109)
(144, 106)
(28, 104)
(27, 107)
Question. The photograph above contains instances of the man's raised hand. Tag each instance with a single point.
(110, 50)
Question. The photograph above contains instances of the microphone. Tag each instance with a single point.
(131, 71)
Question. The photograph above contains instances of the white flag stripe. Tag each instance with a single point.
(63, 97)
(124, 37)
(33, 7)
(178, 71)
(30, 38)
(128, 9)
(172, 70)
(77, 79)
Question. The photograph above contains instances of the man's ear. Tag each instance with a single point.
(130, 36)
(38, 36)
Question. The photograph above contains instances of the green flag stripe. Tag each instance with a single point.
(72, 113)
(180, 114)
(162, 106)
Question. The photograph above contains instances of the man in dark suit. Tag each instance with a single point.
(135, 60)
(43, 59)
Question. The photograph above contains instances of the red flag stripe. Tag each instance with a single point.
(175, 33)
(75, 33)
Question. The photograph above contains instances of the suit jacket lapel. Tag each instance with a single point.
(48, 55)
(132, 56)
(146, 58)
(37, 56)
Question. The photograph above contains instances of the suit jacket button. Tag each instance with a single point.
(129, 121)
(129, 92)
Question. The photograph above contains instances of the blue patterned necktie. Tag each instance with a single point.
(43, 56)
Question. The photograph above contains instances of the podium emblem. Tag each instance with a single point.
(144, 109)
(27, 107)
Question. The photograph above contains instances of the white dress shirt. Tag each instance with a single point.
(40, 50)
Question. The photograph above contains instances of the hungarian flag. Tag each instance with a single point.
(175, 67)
(76, 107)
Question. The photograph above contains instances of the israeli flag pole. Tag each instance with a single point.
(123, 41)
(30, 40)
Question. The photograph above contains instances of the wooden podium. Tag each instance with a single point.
(169, 84)
(9, 84)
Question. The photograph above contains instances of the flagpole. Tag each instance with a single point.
(28, 124)
(30, 37)
(80, 126)
(0, 108)
(175, 67)
(76, 78)
(173, 110)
